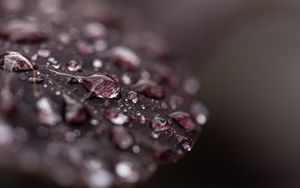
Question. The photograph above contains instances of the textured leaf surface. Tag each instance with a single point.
(87, 98)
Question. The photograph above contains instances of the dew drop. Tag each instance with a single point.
(102, 86)
(133, 97)
(186, 143)
(125, 58)
(15, 62)
(116, 117)
(22, 31)
(200, 113)
(159, 124)
(74, 112)
(127, 172)
(121, 137)
(43, 53)
(74, 66)
(46, 112)
(35, 79)
(97, 64)
(184, 120)
(149, 89)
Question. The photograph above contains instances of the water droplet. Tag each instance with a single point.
(35, 79)
(133, 96)
(184, 120)
(74, 66)
(186, 143)
(126, 80)
(102, 86)
(126, 171)
(46, 112)
(121, 137)
(43, 53)
(74, 111)
(125, 58)
(22, 31)
(94, 30)
(15, 62)
(97, 64)
(116, 117)
(199, 112)
(149, 88)
(159, 124)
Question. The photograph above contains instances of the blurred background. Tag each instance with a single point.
(247, 55)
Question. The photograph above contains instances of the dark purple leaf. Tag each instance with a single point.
(87, 107)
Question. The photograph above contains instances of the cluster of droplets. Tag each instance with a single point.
(127, 97)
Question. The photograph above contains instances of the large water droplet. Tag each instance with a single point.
(125, 58)
(102, 86)
(47, 114)
(121, 137)
(184, 120)
(22, 31)
(15, 62)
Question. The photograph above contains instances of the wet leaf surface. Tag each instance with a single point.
(79, 110)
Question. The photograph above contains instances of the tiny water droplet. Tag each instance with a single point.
(74, 66)
(43, 53)
(97, 64)
(15, 62)
(133, 96)
(121, 137)
(35, 79)
(184, 120)
(116, 117)
(200, 113)
(159, 124)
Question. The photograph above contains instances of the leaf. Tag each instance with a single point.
(100, 114)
